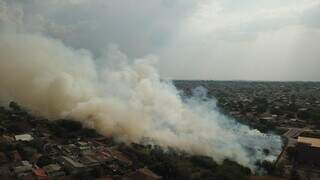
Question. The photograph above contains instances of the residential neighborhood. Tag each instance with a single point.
(35, 148)
(29, 150)
(290, 109)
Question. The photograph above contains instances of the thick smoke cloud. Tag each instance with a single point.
(57, 59)
(125, 98)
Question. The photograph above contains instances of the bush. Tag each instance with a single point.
(90, 133)
(6, 147)
(294, 175)
(69, 125)
(66, 128)
(204, 161)
(231, 170)
(14, 106)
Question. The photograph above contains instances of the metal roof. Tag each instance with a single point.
(314, 142)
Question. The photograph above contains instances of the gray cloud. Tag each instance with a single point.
(311, 17)
(221, 39)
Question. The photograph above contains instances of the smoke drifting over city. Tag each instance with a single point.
(126, 100)
(119, 96)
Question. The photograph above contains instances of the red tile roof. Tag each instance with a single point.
(39, 172)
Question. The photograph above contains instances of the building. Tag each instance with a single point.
(40, 173)
(89, 162)
(72, 166)
(54, 170)
(24, 169)
(100, 156)
(308, 151)
(23, 137)
(120, 157)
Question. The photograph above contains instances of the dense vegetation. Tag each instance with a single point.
(171, 164)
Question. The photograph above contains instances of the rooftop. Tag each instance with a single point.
(23, 137)
(314, 142)
(52, 168)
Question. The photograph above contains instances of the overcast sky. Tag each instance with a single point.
(194, 39)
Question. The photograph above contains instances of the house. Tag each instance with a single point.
(101, 157)
(307, 150)
(54, 170)
(268, 118)
(68, 149)
(40, 173)
(23, 137)
(83, 145)
(72, 166)
(119, 156)
(89, 163)
(23, 169)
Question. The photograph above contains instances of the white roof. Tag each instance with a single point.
(23, 137)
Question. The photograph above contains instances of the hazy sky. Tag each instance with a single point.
(194, 39)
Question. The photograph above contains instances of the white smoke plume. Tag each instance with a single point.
(122, 98)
